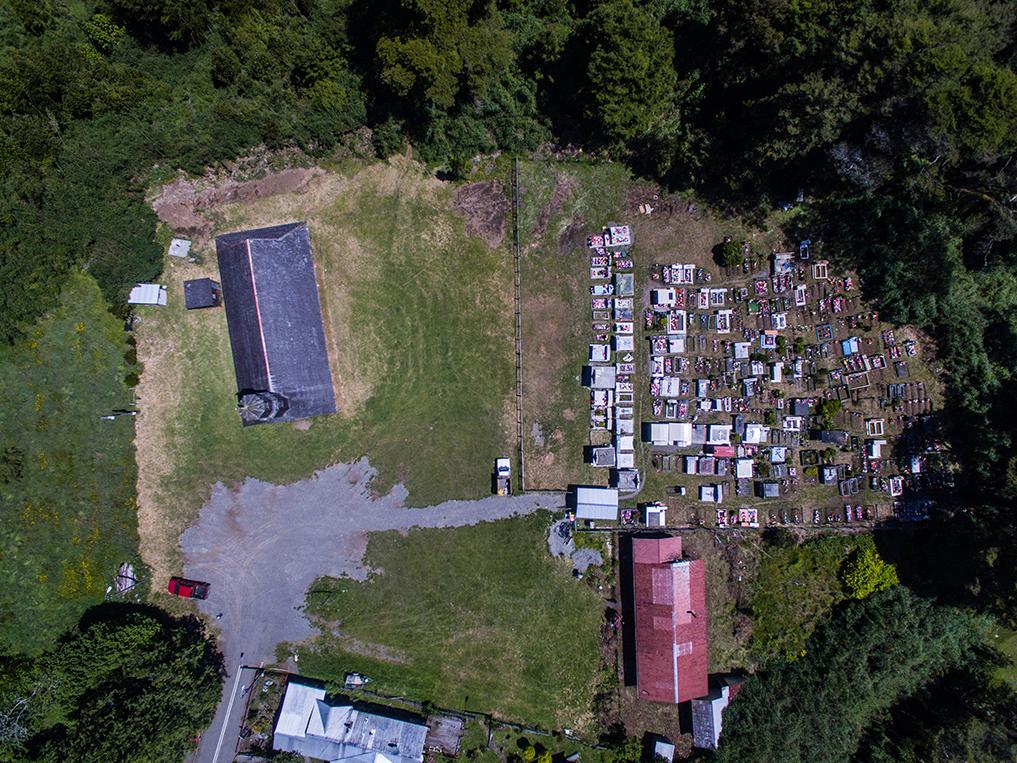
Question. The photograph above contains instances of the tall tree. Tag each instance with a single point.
(127, 685)
(630, 76)
(869, 655)
(440, 53)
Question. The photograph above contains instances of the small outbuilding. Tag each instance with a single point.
(202, 292)
(625, 479)
(831, 436)
(179, 247)
(599, 377)
(147, 294)
(602, 456)
(708, 711)
(597, 504)
(655, 514)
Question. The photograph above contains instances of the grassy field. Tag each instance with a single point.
(67, 479)
(418, 317)
(478, 617)
(562, 203)
(559, 203)
(1005, 640)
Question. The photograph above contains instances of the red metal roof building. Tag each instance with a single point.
(671, 644)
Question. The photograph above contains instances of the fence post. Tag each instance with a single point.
(518, 325)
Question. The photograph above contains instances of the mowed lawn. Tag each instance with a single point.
(476, 617)
(419, 321)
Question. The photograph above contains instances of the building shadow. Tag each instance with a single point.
(628, 609)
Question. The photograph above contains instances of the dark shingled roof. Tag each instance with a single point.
(201, 292)
(670, 629)
(274, 319)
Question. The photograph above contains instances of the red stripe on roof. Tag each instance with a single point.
(257, 311)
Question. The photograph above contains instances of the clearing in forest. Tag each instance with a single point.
(560, 205)
(418, 318)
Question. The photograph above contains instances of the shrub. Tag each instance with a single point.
(732, 253)
(828, 409)
(865, 572)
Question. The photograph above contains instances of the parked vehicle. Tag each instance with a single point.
(188, 589)
(502, 476)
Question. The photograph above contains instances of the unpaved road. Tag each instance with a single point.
(262, 545)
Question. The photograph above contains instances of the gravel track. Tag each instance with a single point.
(261, 546)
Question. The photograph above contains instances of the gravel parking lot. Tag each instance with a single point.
(262, 545)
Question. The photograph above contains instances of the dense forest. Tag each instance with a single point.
(128, 683)
(894, 120)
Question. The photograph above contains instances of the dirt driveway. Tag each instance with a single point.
(262, 545)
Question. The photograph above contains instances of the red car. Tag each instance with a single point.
(189, 589)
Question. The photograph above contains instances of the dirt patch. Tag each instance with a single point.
(639, 194)
(564, 187)
(677, 218)
(181, 204)
(486, 209)
(573, 237)
(374, 651)
(544, 361)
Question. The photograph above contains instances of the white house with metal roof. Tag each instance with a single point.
(314, 728)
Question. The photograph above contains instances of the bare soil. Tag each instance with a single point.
(181, 203)
(543, 365)
(564, 187)
(485, 208)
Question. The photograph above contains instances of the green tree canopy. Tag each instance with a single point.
(828, 409)
(129, 684)
(442, 52)
(865, 572)
(869, 655)
(731, 253)
(630, 76)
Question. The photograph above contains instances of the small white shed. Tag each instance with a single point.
(147, 294)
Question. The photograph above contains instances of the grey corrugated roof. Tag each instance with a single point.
(311, 726)
(274, 317)
(707, 718)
